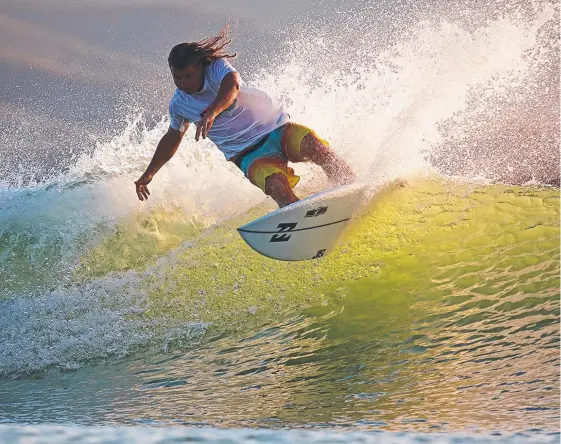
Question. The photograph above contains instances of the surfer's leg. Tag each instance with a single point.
(267, 167)
(277, 186)
(318, 151)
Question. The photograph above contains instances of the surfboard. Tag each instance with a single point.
(307, 229)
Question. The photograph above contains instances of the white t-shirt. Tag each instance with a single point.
(251, 117)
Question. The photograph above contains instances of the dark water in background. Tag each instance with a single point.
(439, 313)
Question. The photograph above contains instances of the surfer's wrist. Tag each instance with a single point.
(212, 111)
(147, 176)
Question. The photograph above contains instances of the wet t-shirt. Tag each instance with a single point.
(252, 116)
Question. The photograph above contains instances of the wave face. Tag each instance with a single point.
(439, 310)
(440, 306)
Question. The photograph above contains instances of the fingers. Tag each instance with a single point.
(142, 192)
(205, 129)
(207, 126)
(202, 128)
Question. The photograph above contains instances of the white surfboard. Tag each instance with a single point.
(307, 229)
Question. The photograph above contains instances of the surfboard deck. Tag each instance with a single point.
(307, 229)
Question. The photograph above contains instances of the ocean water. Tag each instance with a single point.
(435, 319)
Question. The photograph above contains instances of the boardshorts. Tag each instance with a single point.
(272, 153)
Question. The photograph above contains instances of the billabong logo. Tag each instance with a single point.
(283, 227)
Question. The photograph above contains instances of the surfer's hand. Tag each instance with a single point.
(141, 188)
(204, 124)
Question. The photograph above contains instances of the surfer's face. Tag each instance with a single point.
(189, 79)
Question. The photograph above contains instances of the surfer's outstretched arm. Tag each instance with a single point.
(166, 149)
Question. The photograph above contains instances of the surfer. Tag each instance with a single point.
(246, 125)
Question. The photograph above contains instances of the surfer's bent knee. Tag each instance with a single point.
(274, 181)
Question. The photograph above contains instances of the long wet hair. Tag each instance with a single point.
(205, 51)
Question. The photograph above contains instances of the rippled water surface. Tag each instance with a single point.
(438, 312)
(437, 317)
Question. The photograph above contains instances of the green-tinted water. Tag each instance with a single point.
(439, 310)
